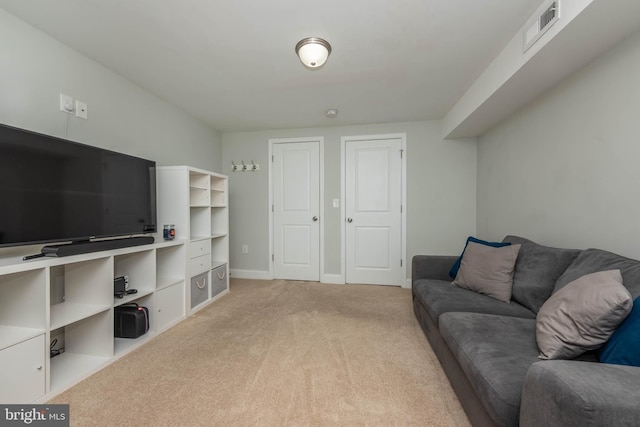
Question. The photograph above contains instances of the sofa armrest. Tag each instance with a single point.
(571, 393)
(435, 267)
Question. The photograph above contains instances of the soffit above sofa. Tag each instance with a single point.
(585, 30)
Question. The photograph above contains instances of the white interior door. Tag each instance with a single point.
(373, 211)
(296, 210)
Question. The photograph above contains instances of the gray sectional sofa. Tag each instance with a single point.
(489, 352)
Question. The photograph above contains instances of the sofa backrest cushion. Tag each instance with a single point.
(593, 260)
(537, 269)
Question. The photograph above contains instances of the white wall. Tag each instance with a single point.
(35, 69)
(440, 191)
(564, 171)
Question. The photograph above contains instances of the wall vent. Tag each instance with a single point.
(541, 24)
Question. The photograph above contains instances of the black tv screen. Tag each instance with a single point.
(54, 190)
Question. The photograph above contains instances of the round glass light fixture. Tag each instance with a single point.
(313, 52)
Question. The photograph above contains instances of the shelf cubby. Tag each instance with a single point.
(88, 345)
(22, 306)
(170, 266)
(219, 222)
(218, 183)
(219, 251)
(199, 194)
(218, 199)
(199, 197)
(79, 290)
(140, 268)
(199, 180)
(200, 223)
(122, 345)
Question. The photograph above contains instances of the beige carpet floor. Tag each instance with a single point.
(278, 353)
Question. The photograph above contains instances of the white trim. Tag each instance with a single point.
(407, 283)
(249, 274)
(272, 141)
(343, 209)
(335, 279)
(343, 147)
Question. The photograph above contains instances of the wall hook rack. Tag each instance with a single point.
(243, 167)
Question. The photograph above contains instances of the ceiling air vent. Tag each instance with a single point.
(541, 24)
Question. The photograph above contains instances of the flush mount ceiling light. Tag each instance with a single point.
(313, 52)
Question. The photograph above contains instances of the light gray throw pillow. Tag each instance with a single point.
(488, 270)
(582, 315)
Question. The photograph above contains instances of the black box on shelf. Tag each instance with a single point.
(130, 321)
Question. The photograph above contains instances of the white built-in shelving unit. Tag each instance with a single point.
(195, 201)
(70, 301)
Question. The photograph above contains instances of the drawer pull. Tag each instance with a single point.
(221, 274)
(204, 283)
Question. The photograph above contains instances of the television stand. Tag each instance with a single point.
(87, 246)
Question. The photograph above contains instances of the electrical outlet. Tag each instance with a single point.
(336, 203)
(66, 103)
(245, 249)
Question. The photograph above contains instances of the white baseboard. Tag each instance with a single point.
(249, 274)
(335, 279)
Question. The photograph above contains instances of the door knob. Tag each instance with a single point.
(315, 218)
(349, 220)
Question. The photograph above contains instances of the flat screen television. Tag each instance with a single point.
(54, 190)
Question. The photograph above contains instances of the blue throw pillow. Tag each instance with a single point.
(623, 348)
(456, 266)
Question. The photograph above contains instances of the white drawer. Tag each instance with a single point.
(199, 248)
(200, 264)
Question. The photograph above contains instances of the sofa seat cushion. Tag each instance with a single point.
(439, 296)
(495, 353)
(537, 269)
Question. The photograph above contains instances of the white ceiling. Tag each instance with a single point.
(232, 63)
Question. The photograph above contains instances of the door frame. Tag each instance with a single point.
(343, 213)
(320, 141)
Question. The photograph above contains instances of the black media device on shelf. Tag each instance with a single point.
(55, 190)
(130, 321)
